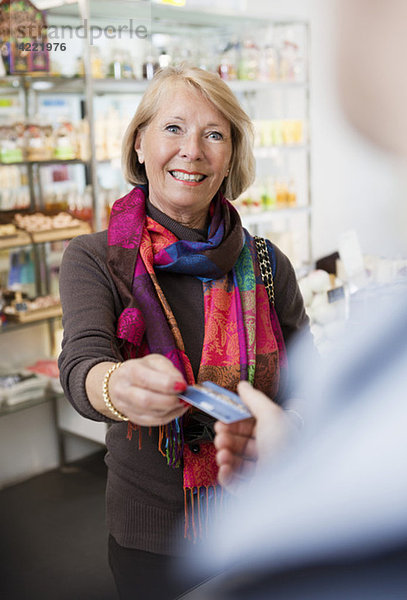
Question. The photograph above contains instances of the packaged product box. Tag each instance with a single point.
(23, 38)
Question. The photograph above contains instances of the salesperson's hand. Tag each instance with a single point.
(242, 445)
(142, 389)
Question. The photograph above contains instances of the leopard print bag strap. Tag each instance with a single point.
(265, 266)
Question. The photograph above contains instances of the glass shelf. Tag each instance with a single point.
(142, 9)
(50, 161)
(6, 409)
(9, 326)
(264, 216)
(132, 86)
(23, 238)
(76, 85)
(43, 83)
(272, 151)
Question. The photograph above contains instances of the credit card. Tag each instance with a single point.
(216, 401)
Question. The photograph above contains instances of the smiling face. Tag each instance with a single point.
(186, 149)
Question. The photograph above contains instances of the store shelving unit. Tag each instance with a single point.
(193, 24)
(27, 87)
(169, 21)
(162, 20)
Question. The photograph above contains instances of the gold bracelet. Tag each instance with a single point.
(106, 396)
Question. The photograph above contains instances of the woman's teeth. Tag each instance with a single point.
(187, 176)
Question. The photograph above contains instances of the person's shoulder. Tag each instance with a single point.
(281, 264)
(94, 244)
(90, 240)
(278, 253)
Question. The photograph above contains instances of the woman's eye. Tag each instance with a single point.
(172, 128)
(215, 135)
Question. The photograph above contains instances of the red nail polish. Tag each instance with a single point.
(180, 386)
(183, 402)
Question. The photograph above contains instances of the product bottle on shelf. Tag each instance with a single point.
(291, 193)
(97, 67)
(281, 193)
(269, 194)
(82, 208)
(288, 60)
(27, 272)
(137, 66)
(36, 144)
(249, 61)
(115, 67)
(80, 67)
(65, 141)
(61, 201)
(49, 201)
(277, 136)
(82, 140)
(164, 59)
(268, 64)
(127, 69)
(56, 201)
(12, 143)
(227, 68)
(48, 139)
(14, 272)
(150, 64)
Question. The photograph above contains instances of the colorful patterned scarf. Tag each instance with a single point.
(242, 338)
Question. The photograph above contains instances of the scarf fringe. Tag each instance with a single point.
(133, 427)
(171, 436)
(170, 440)
(199, 504)
(130, 428)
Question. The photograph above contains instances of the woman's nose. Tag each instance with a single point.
(191, 147)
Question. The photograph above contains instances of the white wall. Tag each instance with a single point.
(352, 183)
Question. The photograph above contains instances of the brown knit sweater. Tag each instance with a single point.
(144, 496)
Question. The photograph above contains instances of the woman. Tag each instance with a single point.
(171, 294)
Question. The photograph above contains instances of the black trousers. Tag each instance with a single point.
(141, 575)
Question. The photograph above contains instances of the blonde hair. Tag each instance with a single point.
(242, 165)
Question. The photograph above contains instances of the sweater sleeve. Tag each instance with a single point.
(90, 307)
